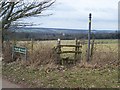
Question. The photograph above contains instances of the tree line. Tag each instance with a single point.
(55, 36)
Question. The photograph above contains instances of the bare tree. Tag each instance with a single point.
(12, 11)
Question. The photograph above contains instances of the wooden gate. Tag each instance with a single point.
(77, 50)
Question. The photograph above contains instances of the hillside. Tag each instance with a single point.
(54, 33)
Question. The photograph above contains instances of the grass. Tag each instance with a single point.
(50, 75)
(105, 45)
(73, 77)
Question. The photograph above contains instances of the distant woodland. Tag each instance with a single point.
(55, 36)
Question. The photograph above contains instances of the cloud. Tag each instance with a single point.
(74, 14)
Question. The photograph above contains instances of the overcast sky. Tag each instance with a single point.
(74, 14)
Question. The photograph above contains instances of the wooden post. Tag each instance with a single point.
(89, 35)
(79, 54)
(31, 50)
(32, 46)
(58, 44)
(58, 49)
(14, 43)
(12, 52)
(78, 43)
(26, 54)
(92, 47)
(75, 49)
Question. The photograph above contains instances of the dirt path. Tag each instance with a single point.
(7, 84)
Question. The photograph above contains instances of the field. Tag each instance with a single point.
(100, 72)
(101, 47)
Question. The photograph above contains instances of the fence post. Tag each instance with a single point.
(26, 54)
(92, 47)
(76, 49)
(32, 46)
(78, 43)
(58, 49)
(58, 44)
(89, 35)
(14, 43)
(12, 52)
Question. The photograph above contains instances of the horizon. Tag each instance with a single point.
(68, 28)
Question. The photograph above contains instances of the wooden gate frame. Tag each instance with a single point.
(77, 49)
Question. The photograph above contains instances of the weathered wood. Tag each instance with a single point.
(92, 47)
(32, 46)
(89, 35)
(69, 52)
(70, 46)
(76, 51)
(58, 50)
(14, 42)
(78, 43)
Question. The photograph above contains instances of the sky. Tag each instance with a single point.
(73, 14)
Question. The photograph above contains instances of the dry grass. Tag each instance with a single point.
(43, 72)
(42, 56)
(105, 58)
(105, 55)
(7, 52)
(43, 53)
(74, 77)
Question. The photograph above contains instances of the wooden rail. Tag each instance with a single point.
(69, 52)
(70, 46)
(77, 50)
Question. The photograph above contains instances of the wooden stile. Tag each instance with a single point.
(77, 51)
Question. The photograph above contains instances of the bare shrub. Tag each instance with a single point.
(7, 52)
(42, 55)
(103, 57)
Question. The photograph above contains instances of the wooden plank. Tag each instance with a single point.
(59, 50)
(70, 46)
(75, 48)
(69, 52)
